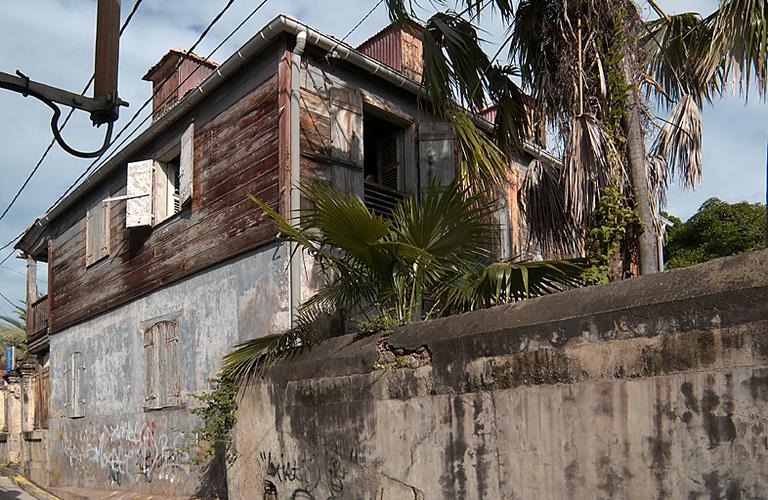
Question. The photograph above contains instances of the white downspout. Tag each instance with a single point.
(295, 152)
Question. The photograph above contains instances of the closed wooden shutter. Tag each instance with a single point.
(138, 208)
(169, 361)
(75, 386)
(97, 233)
(437, 153)
(347, 126)
(186, 165)
(151, 392)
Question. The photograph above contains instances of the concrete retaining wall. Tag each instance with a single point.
(655, 387)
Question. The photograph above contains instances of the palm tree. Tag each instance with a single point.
(591, 66)
(13, 331)
(429, 259)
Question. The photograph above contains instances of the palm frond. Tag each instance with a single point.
(542, 201)
(740, 44)
(591, 163)
(482, 166)
(513, 121)
(504, 282)
(675, 47)
(251, 359)
(679, 142)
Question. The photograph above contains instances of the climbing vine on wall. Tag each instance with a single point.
(615, 216)
(218, 417)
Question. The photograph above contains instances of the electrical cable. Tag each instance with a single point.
(200, 38)
(66, 120)
(355, 27)
(149, 100)
(8, 300)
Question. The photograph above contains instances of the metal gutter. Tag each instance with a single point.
(296, 258)
(279, 25)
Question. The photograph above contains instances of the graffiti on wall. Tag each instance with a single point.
(130, 452)
(305, 477)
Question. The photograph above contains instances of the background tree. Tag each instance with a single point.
(13, 332)
(593, 68)
(717, 229)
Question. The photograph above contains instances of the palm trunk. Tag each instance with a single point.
(649, 262)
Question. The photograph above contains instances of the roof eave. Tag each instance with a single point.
(279, 25)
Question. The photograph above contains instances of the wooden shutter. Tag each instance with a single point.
(138, 208)
(186, 164)
(347, 126)
(388, 152)
(168, 337)
(151, 389)
(437, 153)
(75, 383)
(96, 233)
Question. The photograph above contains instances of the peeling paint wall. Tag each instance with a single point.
(655, 387)
(117, 443)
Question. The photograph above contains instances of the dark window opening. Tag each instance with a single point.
(382, 153)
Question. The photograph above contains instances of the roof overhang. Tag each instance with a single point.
(32, 241)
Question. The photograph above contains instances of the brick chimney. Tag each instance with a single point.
(399, 47)
(179, 65)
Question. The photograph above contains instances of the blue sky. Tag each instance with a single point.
(52, 41)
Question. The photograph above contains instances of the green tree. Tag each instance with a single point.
(13, 332)
(718, 229)
(429, 259)
(593, 69)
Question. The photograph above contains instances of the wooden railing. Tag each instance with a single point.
(380, 199)
(38, 319)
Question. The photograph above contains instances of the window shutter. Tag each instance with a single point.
(186, 164)
(169, 361)
(151, 392)
(347, 126)
(389, 152)
(96, 233)
(138, 210)
(76, 381)
(437, 153)
(89, 236)
(70, 387)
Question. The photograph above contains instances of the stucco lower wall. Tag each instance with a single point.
(655, 387)
(119, 445)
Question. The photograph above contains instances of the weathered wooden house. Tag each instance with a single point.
(158, 263)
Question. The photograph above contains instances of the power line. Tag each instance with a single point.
(149, 100)
(122, 130)
(66, 120)
(8, 300)
(356, 26)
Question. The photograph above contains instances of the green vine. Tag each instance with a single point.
(615, 215)
(218, 418)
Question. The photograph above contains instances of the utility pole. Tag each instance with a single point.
(105, 104)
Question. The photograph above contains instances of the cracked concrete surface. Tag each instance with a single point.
(655, 387)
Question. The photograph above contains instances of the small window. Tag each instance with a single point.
(75, 401)
(97, 233)
(158, 189)
(162, 385)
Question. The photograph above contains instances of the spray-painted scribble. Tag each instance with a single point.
(130, 451)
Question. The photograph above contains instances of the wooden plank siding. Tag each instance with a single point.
(236, 154)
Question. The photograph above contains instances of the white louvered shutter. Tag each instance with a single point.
(138, 208)
(186, 165)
